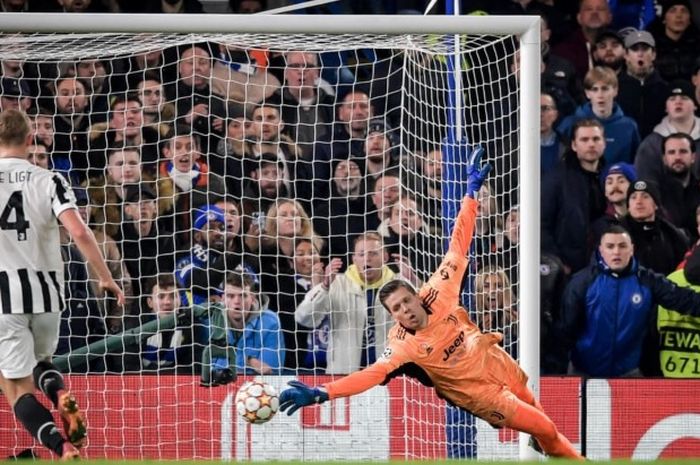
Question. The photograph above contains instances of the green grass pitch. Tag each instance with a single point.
(395, 462)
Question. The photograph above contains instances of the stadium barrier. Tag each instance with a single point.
(172, 417)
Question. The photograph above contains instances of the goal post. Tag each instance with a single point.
(497, 107)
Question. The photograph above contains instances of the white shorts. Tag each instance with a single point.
(26, 340)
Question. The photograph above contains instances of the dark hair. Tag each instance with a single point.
(273, 101)
(68, 77)
(149, 75)
(162, 281)
(125, 148)
(37, 141)
(39, 111)
(389, 173)
(232, 200)
(679, 135)
(182, 130)
(239, 280)
(614, 229)
(200, 45)
(391, 287)
(586, 123)
(124, 98)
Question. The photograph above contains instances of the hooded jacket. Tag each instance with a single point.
(621, 133)
(345, 303)
(649, 160)
(567, 211)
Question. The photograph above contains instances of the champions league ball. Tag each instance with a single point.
(257, 402)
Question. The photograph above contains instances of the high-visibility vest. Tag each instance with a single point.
(679, 337)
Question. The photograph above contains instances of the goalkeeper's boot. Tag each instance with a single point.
(73, 419)
(69, 452)
(535, 445)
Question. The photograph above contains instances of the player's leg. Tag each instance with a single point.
(16, 364)
(49, 380)
(525, 394)
(530, 419)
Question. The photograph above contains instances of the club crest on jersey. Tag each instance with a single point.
(425, 349)
(636, 298)
(452, 319)
(387, 353)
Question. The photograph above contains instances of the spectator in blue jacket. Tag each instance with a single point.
(608, 308)
(255, 331)
(193, 271)
(621, 134)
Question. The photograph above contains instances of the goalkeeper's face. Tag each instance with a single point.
(406, 309)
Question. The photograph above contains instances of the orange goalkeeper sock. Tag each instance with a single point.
(535, 422)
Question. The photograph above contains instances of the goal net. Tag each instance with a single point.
(221, 174)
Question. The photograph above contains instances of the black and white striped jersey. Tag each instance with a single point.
(31, 267)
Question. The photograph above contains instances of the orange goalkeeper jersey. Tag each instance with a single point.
(466, 366)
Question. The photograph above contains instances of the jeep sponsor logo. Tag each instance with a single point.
(456, 343)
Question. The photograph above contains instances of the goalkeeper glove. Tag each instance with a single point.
(300, 395)
(476, 173)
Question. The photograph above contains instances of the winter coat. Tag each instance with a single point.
(606, 315)
(566, 211)
(345, 302)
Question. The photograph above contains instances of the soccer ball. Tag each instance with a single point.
(257, 402)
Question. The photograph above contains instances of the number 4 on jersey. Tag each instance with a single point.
(15, 204)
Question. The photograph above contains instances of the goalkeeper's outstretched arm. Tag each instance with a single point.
(300, 395)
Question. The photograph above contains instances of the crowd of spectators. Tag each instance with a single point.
(271, 193)
(620, 190)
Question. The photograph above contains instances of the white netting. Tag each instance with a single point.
(304, 143)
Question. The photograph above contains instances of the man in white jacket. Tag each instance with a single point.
(358, 325)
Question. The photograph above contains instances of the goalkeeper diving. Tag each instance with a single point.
(435, 342)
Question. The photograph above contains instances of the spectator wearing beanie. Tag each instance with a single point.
(658, 244)
(680, 118)
(677, 40)
(616, 180)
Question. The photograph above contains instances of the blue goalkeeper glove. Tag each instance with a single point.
(476, 173)
(300, 395)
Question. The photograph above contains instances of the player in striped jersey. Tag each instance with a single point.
(435, 342)
(32, 199)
